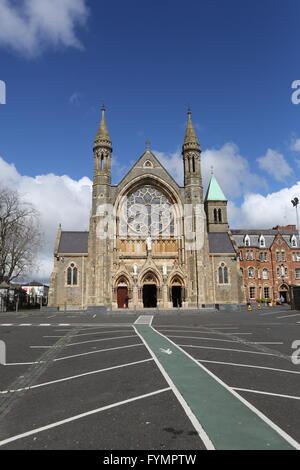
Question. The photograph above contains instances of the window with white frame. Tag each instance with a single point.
(262, 242)
(294, 241)
(297, 273)
(266, 292)
(247, 240)
(252, 292)
(265, 274)
(251, 273)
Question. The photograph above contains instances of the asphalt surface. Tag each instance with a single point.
(80, 381)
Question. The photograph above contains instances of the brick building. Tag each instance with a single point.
(269, 261)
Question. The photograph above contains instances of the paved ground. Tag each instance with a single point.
(74, 381)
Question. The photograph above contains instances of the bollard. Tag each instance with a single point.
(258, 306)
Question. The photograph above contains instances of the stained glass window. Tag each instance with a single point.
(147, 211)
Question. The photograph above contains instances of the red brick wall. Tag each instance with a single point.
(273, 282)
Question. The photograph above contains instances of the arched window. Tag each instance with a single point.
(265, 274)
(223, 274)
(251, 273)
(215, 215)
(72, 275)
(219, 215)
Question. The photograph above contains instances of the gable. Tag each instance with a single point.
(149, 168)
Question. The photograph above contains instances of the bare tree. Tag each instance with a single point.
(20, 236)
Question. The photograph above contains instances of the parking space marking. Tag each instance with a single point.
(226, 349)
(249, 365)
(76, 376)
(89, 334)
(98, 351)
(82, 415)
(266, 393)
(264, 342)
(227, 420)
(101, 339)
(200, 337)
(289, 316)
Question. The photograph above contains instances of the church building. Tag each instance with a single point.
(151, 243)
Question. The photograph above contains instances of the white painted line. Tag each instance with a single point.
(76, 376)
(225, 349)
(267, 393)
(262, 342)
(22, 363)
(82, 415)
(43, 324)
(202, 434)
(25, 324)
(200, 337)
(270, 423)
(40, 347)
(144, 320)
(98, 350)
(268, 313)
(237, 333)
(64, 324)
(102, 339)
(290, 316)
(88, 334)
(248, 365)
(6, 324)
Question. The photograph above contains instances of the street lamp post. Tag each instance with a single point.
(295, 203)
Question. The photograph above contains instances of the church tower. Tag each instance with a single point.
(195, 228)
(100, 239)
(191, 153)
(216, 207)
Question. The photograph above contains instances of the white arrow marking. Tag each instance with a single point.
(2, 353)
(166, 351)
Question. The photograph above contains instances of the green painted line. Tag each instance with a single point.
(227, 420)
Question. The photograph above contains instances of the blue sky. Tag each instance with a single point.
(231, 61)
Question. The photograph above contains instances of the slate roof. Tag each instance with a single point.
(77, 242)
(73, 242)
(219, 242)
(269, 236)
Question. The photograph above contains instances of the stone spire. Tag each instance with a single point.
(191, 153)
(103, 138)
(190, 140)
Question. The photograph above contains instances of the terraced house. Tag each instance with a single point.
(151, 243)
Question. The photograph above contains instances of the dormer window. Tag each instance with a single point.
(262, 242)
(247, 240)
(294, 241)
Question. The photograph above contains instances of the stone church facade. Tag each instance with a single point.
(151, 243)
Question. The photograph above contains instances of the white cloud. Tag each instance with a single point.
(275, 165)
(59, 199)
(75, 98)
(295, 145)
(260, 211)
(230, 168)
(30, 27)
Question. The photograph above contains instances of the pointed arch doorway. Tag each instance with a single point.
(150, 291)
(122, 293)
(176, 292)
